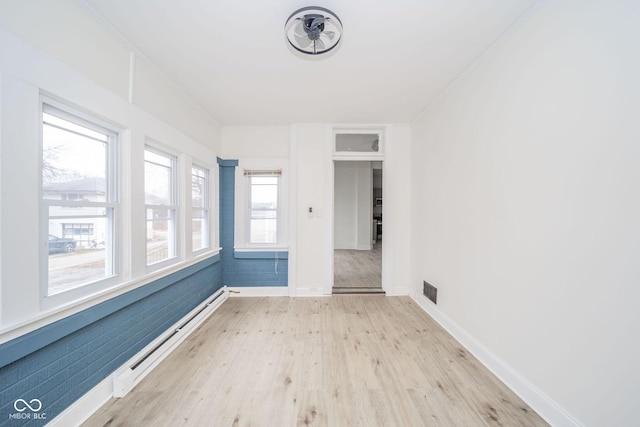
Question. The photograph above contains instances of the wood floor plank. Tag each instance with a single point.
(357, 269)
(345, 360)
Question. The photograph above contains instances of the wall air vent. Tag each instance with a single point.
(430, 291)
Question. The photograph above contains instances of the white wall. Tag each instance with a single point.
(26, 72)
(62, 29)
(526, 205)
(310, 263)
(256, 142)
(353, 189)
(397, 203)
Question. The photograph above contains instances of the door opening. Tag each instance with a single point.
(358, 202)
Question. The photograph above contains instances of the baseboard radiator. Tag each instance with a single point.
(142, 363)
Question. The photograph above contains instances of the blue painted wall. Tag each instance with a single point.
(60, 362)
(241, 269)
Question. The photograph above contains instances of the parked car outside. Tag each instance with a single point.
(61, 244)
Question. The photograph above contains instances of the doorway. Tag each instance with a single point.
(358, 202)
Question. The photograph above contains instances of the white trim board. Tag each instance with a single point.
(95, 398)
(309, 292)
(549, 410)
(399, 291)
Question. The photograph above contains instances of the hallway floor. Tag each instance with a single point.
(358, 271)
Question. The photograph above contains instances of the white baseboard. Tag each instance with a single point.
(259, 291)
(399, 292)
(553, 413)
(95, 398)
(309, 292)
(87, 405)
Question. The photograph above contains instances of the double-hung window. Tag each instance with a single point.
(79, 198)
(160, 172)
(199, 208)
(263, 206)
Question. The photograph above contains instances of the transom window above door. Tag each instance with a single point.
(358, 142)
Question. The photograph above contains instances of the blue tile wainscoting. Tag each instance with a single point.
(58, 363)
(244, 269)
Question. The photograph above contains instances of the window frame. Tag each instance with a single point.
(112, 203)
(250, 210)
(173, 244)
(357, 130)
(242, 205)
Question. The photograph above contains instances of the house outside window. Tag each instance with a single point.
(82, 233)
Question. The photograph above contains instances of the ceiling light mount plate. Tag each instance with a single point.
(313, 31)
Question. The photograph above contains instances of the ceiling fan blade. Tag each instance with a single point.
(299, 30)
(330, 34)
(302, 41)
(328, 40)
(318, 45)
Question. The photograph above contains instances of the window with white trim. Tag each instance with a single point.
(79, 198)
(263, 206)
(161, 201)
(199, 208)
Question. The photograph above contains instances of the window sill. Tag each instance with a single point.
(52, 312)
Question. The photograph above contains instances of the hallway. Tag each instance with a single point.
(357, 271)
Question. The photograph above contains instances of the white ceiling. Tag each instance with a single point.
(232, 58)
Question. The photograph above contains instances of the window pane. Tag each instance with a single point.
(74, 161)
(79, 251)
(263, 209)
(200, 236)
(160, 232)
(357, 142)
(198, 188)
(160, 173)
(200, 205)
(264, 230)
(264, 196)
(157, 183)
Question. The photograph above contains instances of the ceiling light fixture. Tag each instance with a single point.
(313, 30)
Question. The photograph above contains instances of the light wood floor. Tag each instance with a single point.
(357, 271)
(344, 360)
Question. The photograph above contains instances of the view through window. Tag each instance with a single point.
(79, 197)
(200, 208)
(263, 206)
(161, 203)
